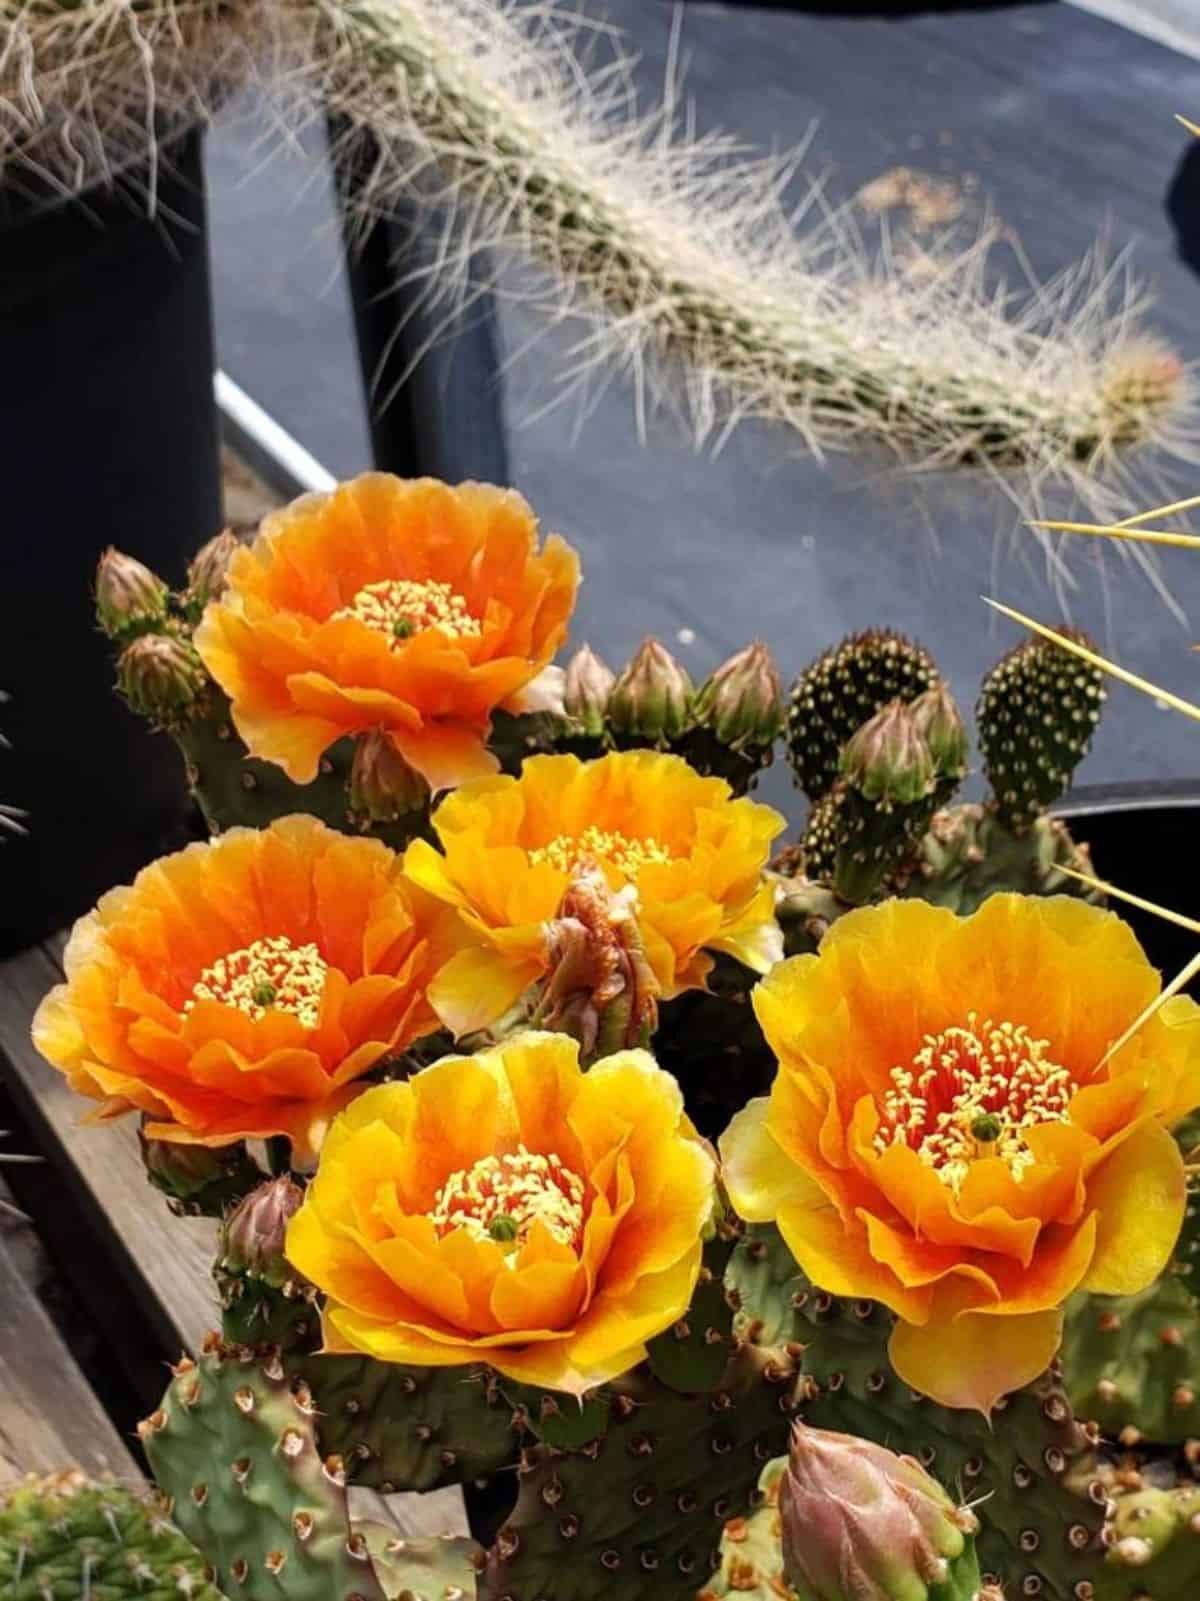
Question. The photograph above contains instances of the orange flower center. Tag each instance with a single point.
(268, 975)
(500, 1198)
(401, 607)
(628, 854)
(974, 1092)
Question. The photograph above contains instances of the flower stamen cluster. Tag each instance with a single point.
(401, 607)
(973, 1092)
(268, 975)
(500, 1198)
(571, 853)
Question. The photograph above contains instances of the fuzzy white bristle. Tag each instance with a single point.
(676, 247)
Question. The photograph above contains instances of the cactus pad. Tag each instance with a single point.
(751, 1558)
(838, 692)
(1037, 711)
(410, 1428)
(970, 852)
(432, 1567)
(1154, 1546)
(66, 1538)
(1133, 1363)
(637, 1515)
(236, 1452)
(1044, 1510)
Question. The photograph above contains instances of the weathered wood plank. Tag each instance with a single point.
(164, 1262)
(49, 1417)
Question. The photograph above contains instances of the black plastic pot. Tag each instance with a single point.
(108, 435)
(1143, 839)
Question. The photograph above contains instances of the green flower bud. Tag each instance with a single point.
(199, 1180)
(848, 1506)
(652, 698)
(130, 600)
(253, 1235)
(887, 761)
(588, 684)
(383, 786)
(210, 569)
(939, 723)
(742, 701)
(161, 677)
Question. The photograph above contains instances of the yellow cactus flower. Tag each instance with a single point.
(964, 1127)
(511, 847)
(508, 1208)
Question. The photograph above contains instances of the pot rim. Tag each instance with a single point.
(1091, 800)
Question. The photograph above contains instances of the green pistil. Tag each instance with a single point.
(264, 995)
(503, 1228)
(987, 1128)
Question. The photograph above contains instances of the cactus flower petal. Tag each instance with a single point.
(409, 606)
(509, 1208)
(239, 988)
(512, 847)
(965, 1126)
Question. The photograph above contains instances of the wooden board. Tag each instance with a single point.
(163, 1262)
(49, 1418)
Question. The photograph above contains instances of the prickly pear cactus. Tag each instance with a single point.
(431, 1567)
(409, 1428)
(1044, 1509)
(637, 1514)
(751, 1559)
(235, 1451)
(1132, 1363)
(1154, 1546)
(68, 1538)
(1037, 711)
(841, 690)
(970, 852)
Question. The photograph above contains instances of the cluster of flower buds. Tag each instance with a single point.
(728, 726)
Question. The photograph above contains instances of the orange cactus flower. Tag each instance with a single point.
(511, 847)
(508, 1208)
(240, 987)
(407, 606)
(951, 1132)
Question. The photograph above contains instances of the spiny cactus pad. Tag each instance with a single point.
(1154, 1549)
(970, 852)
(1041, 1528)
(838, 692)
(1132, 1363)
(66, 1538)
(1037, 711)
(236, 1453)
(637, 1514)
(751, 1556)
(422, 1568)
(410, 1428)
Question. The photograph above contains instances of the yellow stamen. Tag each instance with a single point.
(628, 855)
(973, 1092)
(401, 607)
(268, 975)
(500, 1198)
(1076, 649)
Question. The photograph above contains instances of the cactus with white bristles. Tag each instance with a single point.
(679, 247)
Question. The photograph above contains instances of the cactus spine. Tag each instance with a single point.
(68, 1538)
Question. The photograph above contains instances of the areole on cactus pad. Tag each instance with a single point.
(488, 1038)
